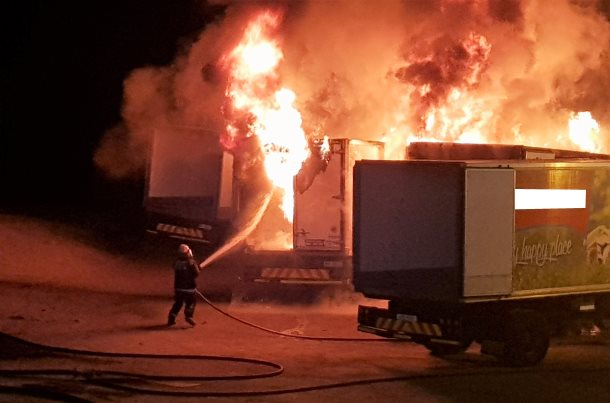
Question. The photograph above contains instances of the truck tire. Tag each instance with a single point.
(526, 338)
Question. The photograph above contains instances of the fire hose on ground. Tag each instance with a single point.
(132, 381)
(52, 381)
(296, 336)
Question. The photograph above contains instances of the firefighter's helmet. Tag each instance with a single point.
(185, 251)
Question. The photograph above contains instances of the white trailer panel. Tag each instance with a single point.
(488, 231)
(322, 213)
(184, 162)
(189, 177)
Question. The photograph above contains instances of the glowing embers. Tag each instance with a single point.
(544, 199)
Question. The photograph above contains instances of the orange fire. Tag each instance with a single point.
(511, 72)
(463, 117)
(445, 85)
(273, 119)
(584, 131)
(460, 110)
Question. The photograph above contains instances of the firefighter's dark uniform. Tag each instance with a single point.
(186, 271)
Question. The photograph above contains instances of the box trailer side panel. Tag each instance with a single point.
(529, 229)
(184, 174)
(408, 229)
(562, 229)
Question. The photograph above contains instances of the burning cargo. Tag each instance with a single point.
(497, 251)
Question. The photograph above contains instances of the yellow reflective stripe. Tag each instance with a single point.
(428, 329)
(295, 273)
(174, 229)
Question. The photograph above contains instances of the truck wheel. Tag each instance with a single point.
(441, 349)
(526, 338)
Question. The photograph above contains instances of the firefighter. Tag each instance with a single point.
(186, 271)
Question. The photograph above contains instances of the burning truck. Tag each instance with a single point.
(204, 195)
(503, 245)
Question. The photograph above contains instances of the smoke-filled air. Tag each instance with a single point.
(267, 77)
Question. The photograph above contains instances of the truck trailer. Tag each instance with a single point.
(502, 252)
(189, 186)
(196, 193)
(321, 247)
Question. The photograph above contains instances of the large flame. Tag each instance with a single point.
(497, 71)
(452, 107)
(584, 131)
(488, 71)
(273, 118)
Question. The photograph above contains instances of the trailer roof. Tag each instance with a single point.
(466, 152)
(538, 163)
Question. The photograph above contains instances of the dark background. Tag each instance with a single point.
(63, 66)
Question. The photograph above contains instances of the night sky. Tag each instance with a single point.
(62, 72)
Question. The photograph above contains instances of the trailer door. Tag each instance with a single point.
(318, 210)
(488, 231)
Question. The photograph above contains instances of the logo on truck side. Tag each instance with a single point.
(541, 253)
(597, 245)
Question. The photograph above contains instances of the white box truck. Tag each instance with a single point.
(502, 252)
